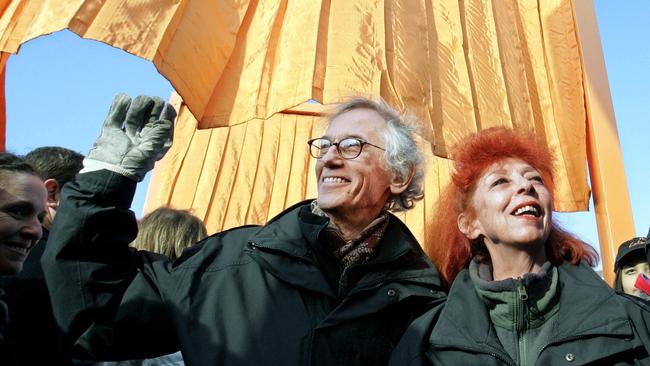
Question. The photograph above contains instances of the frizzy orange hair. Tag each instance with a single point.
(452, 251)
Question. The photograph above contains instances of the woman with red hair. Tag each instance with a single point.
(522, 289)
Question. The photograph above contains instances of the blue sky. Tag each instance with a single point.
(59, 87)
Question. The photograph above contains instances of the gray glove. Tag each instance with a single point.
(134, 136)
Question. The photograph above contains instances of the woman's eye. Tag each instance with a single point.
(537, 178)
(499, 181)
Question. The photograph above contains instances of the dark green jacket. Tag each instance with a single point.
(595, 326)
(248, 296)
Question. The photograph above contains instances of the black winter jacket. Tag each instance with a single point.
(248, 296)
(595, 326)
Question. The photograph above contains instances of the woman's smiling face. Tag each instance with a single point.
(22, 208)
(510, 206)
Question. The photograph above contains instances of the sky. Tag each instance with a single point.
(59, 88)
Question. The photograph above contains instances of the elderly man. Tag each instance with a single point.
(333, 281)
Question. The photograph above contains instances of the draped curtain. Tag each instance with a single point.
(459, 65)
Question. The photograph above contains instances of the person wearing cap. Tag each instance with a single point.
(631, 262)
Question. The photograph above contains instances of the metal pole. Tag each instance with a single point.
(608, 182)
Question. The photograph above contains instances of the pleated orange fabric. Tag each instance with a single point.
(460, 66)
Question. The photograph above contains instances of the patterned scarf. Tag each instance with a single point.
(357, 249)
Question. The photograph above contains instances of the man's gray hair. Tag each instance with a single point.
(402, 152)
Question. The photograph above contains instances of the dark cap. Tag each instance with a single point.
(628, 247)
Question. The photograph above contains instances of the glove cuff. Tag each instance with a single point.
(92, 165)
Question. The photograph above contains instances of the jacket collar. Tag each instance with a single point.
(536, 294)
(458, 327)
(282, 247)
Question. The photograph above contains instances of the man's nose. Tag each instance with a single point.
(331, 155)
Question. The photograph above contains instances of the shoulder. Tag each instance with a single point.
(634, 304)
(638, 312)
(228, 247)
(637, 301)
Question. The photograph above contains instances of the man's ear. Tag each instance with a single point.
(53, 193)
(399, 184)
(468, 226)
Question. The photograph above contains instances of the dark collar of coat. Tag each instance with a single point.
(284, 249)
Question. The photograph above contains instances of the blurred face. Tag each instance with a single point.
(511, 206)
(630, 272)
(22, 208)
(354, 187)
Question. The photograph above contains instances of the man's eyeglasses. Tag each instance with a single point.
(348, 148)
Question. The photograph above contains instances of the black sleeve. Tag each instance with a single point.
(106, 296)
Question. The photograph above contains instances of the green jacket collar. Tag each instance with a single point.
(535, 294)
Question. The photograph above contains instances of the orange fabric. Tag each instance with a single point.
(460, 66)
(612, 206)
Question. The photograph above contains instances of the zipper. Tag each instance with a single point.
(520, 307)
(521, 321)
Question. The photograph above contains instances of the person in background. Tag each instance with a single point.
(330, 281)
(631, 262)
(169, 231)
(26, 292)
(56, 166)
(522, 289)
(22, 209)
